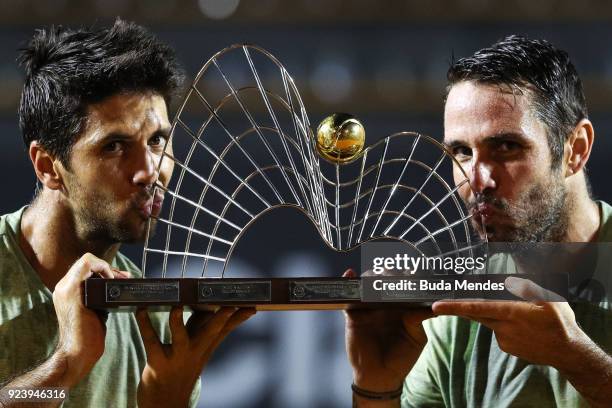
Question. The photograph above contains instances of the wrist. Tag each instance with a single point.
(155, 391)
(377, 395)
(364, 398)
(69, 369)
(588, 368)
(153, 398)
(378, 384)
(572, 356)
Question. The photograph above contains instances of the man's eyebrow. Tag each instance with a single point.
(503, 136)
(164, 131)
(113, 135)
(511, 136)
(453, 143)
(120, 136)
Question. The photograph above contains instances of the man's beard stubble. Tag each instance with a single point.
(95, 219)
(541, 215)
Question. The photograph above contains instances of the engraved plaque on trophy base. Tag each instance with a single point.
(210, 293)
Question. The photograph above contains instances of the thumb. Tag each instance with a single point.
(413, 326)
(528, 290)
(416, 316)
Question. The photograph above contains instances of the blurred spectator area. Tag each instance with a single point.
(384, 61)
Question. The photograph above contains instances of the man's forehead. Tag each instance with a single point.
(474, 109)
(128, 113)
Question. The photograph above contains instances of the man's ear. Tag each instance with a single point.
(578, 147)
(45, 166)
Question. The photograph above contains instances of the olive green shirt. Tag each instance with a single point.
(29, 330)
(463, 366)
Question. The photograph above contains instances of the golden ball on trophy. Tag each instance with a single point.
(340, 138)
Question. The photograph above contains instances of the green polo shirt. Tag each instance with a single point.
(29, 331)
(463, 366)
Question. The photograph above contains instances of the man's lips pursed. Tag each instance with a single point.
(482, 212)
(485, 210)
(152, 206)
(158, 200)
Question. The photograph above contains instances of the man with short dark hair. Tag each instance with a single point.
(516, 121)
(94, 117)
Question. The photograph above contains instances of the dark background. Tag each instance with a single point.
(384, 61)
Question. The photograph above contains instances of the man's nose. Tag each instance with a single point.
(481, 176)
(146, 172)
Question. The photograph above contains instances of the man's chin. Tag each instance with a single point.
(501, 234)
(140, 233)
(481, 229)
(495, 232)
(135, 231)
(494, 237)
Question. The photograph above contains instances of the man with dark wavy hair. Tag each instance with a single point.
(94, 118)
(516, 120)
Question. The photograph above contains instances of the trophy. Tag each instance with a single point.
(242, 146)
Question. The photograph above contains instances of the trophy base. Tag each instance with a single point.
(212, 293)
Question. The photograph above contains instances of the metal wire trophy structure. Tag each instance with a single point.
(242, 145)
